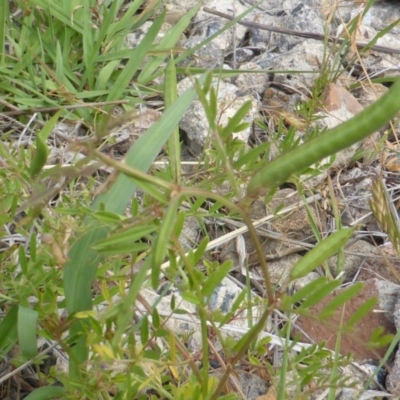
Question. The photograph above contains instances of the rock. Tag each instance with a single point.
(355, 256)
(301, 18)
(195, 122)
(308, 56)
(252, 83)
(305, 280)
(295, 225)
(354, 197)
(336, 97)
(190, 233)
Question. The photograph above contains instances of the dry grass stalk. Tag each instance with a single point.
(381, 210)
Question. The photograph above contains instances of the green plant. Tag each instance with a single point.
(111, 354)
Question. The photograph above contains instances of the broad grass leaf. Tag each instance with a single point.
(103, 77)
(40, 157)
(113, 26)
(83, 261)
(8, 330)
(144, 330)
(81, 267)
(4, 16)
(23, 260)
(47, 393)
(61, 13)
(88, 43)
(27, 325)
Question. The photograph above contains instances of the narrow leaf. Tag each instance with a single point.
(46, 393)
(8, 330)
(160, 246)
(216, 278)
(39, 158)
(236, 120)
(315, 257)
(340, 299)
(319, 294)
(339, 138)
(83, 261)
(363, 310)
(144, 330)
(173, 143)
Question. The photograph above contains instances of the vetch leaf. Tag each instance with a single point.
(190, 297)
(325, 249)
(216, 278)
(163, 237)
(236, 120)
(363, 310)
(332, 141)
(307, 290)
(339, 300)
(319, 294)
(155, 318)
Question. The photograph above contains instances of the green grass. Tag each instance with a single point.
(74, 249)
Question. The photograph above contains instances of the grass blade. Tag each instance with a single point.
(8, 331)
(46, 393)
(136, 59)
